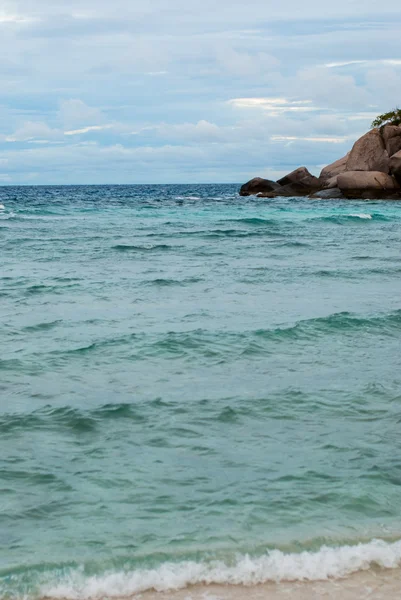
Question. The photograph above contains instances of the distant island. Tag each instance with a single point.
(372, 169)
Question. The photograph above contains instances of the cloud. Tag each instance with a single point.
(33, 130)
(88, 129)
(74, 112)
(245, 64)
(274, 106)
(384, 83)
(320, 140)
(157, 91)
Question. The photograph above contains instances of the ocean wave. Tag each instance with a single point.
(346, 218)
(187, 198)
(294, 244)
(361, 215)
(66, 417)
(150, 248)
(166, 282)
(336, 322)
(354, 274)
(212, 346)
(44, 289)
(238, 233)
(274, 566)
(44, 326)
(259, 221)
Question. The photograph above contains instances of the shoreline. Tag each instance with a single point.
(348, 570)
(377, 583)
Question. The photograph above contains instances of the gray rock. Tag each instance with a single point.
(392, 138)
(395, 166)
(267, 195)
(290, 190)
(328, 193)
(257, 185)
(335, 168)
(302, 176)
(369, 154)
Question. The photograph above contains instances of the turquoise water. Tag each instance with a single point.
(187, 375)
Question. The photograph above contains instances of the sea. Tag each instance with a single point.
(200, 394)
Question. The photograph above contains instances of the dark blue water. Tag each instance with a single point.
(189, 376)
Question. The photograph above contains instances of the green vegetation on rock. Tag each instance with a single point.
(390, 118)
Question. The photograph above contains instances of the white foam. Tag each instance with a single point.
(274, 566)
(187, 198)
(2, 207)
(361, 215)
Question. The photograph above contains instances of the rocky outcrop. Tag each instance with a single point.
(369, 154)
(392, 138)
(372, 169)
(298, 188)
(328, 194)
(395, 166)
(300, 176)
(257, 185)
(297, 183)
(334, 169)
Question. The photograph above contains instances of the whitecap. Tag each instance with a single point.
(275, 566)
(2, 207)
(361, 215)
(187, 198)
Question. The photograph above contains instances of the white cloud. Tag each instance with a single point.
(321, 140)
(345, 63)
(274, 106)
(88, 129)
(75, 112)
(245, 64)
(385, 61)
(31, 130)
(384, 84)
(13, 18)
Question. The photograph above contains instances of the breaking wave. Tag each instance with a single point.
(274, 566)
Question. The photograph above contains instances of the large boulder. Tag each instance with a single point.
(367, 184)
(334, 168)
(298, 188)
(395, 166)
(257, 185)
(369, 154)
(290, 190)
(392, 138)
(300, 176)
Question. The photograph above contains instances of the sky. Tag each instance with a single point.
(189, 91)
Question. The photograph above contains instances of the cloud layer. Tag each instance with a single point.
(182, 91)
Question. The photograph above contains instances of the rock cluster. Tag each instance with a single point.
(372, 169)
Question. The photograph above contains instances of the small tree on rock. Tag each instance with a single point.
(390, 118)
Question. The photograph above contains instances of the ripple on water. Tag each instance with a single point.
(187, 377)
